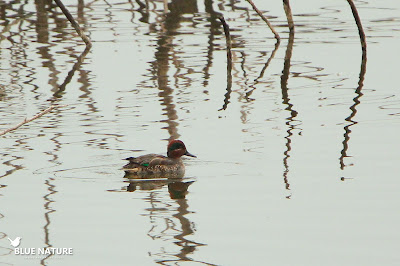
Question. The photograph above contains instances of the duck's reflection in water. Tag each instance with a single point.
(176, 188)
(168, 219)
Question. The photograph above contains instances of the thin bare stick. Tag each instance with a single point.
(73, 22)
(289, 16)
(359, 26)
(26, 120)
(265, 19)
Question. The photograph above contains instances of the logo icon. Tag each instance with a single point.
(15, 243)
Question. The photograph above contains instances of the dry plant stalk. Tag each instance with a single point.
(359, 26)
(265, 19)
(26, 120)
(289, 16)
(74, 23)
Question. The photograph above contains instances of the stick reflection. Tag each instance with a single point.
(168, 218)
(353, 108)
(285, 96)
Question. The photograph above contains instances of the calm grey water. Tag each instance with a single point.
(298, 162)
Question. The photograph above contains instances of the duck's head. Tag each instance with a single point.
(176, 149)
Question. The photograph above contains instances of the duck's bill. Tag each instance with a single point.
(189, 154)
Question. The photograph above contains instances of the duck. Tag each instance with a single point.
(156, 165)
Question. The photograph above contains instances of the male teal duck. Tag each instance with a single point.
(155, 165)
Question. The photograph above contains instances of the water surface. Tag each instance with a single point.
(297, 160)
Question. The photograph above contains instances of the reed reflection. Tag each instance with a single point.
(143, 10)
(44, 8)
(42, 30)
(227, 95)
(14, 167)
(79, 59)
(18, 54)
(51, 191)
(285, 96)
(160, 66)
(47, 215)
(58, 93)
(46, 21)
(353, 108)
(168, 218)
(261, 75)
(214, 30)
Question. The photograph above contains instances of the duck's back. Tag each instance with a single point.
(144, 160)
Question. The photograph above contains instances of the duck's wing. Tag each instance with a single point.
(161, 160)
(143, 160)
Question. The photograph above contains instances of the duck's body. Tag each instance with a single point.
(155, 165)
